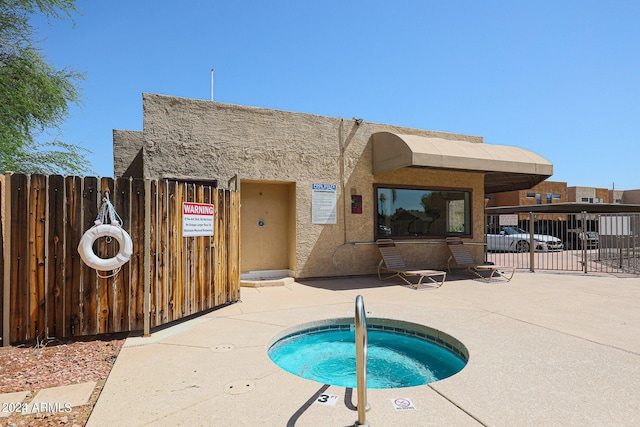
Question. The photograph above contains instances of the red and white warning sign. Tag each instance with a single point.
(197, 219)
(402, 404)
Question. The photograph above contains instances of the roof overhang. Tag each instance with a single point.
(566, 208)
(505, 168)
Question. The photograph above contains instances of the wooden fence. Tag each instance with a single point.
(48, 292)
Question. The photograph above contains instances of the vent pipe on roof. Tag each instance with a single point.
(212, 84)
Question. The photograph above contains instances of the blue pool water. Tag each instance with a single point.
(394, 359)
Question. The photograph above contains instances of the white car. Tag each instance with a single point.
(513, 239)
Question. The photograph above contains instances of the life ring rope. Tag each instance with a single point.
(113, 229)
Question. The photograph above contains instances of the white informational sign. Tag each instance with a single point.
(323, 203)
(403, 404)
(508, 220)
(197, 219)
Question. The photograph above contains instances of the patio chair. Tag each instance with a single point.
(463, 259)
(393, 263)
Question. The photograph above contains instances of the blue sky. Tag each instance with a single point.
(560, 78)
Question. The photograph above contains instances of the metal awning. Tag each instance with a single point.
(505, 168)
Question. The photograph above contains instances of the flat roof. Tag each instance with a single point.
(567, 207)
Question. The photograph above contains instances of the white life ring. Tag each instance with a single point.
(85, 248)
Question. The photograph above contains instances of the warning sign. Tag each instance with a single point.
(402, 404)
(197, 219)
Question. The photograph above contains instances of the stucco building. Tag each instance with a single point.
(548, 192)
(318, 191)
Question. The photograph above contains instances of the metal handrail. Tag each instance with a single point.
(361, 360)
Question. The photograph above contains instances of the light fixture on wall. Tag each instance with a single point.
(358, 121)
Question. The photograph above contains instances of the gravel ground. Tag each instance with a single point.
(32, 368)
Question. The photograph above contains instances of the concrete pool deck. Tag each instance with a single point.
(545, 350)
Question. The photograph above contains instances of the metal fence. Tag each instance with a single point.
(581, 242)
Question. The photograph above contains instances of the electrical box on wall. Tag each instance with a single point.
(356, 204)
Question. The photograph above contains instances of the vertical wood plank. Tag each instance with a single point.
(154, 297)
(163, 252)
(237, 218)
(137, 214)
(206, 258)
(216, 251)
(3, 193)
(147, 266)
(173, 250)
(88, 280)
(223, 247)
(220, 263)
(231, 248)
(190, 243)
(229, 245)
(19, 283)
(122, 283)
(220, 266)
(105, 288)
(214, 246)
(73, 262)
(37, 230)
(234, 223)
(197, 258)
(56, 256)
(180, 259)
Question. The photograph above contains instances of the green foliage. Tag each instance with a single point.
(36, 97)
(51, 8)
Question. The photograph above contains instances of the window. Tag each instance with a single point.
(422, 212)
(531, 195)
(549, 199)
(538, 199)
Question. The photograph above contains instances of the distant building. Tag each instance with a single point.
(630, 196)
(546, 192)
(562, 211)
(588, 195)
(549, 192)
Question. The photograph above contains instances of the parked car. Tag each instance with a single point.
(513, 239)
(576, 239)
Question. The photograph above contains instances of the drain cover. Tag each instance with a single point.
(222, 348)
(239, 387)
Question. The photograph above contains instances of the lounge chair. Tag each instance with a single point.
(463, 259)
(393, 263)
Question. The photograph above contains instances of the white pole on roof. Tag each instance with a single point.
(212, 84)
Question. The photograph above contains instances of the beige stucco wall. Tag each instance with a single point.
(616, 195)
(128, 153)
(631, 197)
(576, 194)
(204, 139)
